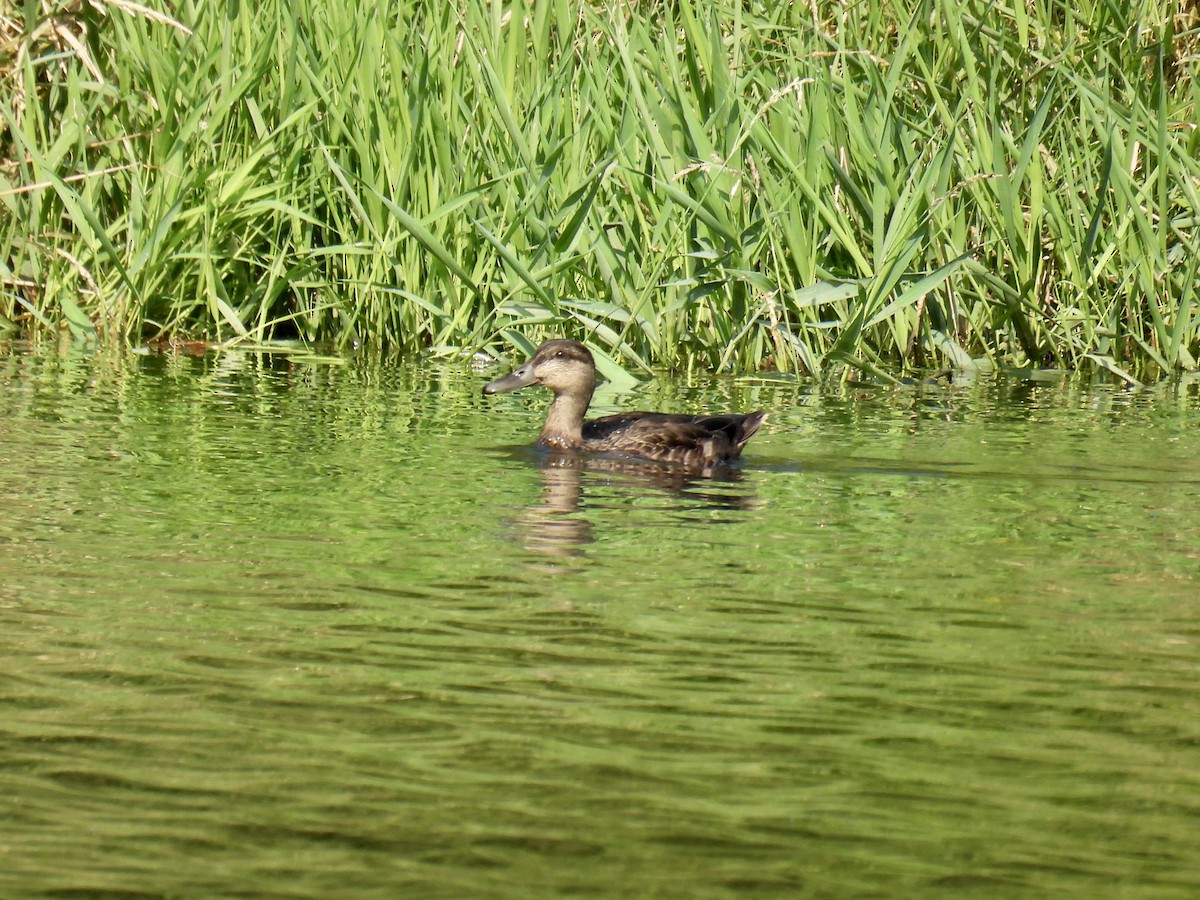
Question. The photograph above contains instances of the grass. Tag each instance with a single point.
(809, 187)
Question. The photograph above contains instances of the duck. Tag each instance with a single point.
(568, 369)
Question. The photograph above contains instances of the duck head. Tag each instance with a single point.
(565, 367)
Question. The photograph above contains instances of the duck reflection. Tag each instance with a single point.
(557, 524)
(553, 526)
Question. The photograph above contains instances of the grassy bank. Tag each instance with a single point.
(739, 185)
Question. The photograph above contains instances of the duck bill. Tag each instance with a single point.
(517, 380)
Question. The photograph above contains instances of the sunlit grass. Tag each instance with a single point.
(722, 185)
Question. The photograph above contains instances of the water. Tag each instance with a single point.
(276, 627)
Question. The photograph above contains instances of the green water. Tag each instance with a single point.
(286, 628)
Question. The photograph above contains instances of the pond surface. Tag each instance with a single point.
(272, 627)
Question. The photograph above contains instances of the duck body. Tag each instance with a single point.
(568, 369)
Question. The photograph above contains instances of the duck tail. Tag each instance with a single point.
(749, 427)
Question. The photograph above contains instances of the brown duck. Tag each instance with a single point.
(568, 369)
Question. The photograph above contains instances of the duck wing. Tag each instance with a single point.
(690, 440)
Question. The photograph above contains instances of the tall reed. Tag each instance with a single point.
(874, 185)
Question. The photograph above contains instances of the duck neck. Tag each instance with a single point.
(564, 423)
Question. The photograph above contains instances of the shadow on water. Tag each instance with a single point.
(572, 484)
